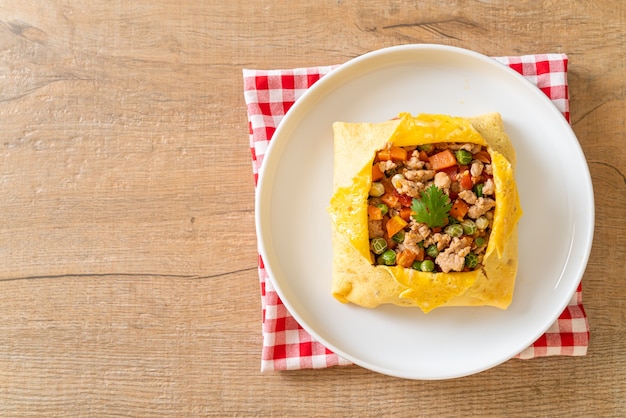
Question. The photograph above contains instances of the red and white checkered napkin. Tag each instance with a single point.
(286, 345)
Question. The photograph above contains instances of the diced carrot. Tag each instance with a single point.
(395, 225)
(376, 173)
(398, 154)
(389, 199)
(441, 160)
(374, 213)
(406, 258)
(405, 213)
(422, 156)
(459, 209)
(384, 155)
(482, 156)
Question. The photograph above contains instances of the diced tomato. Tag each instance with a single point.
(404, 200)
(405, 213)
(465, 180)
(452, 172)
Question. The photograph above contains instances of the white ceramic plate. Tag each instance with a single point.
(296, 184)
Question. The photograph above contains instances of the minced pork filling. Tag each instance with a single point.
(431, 207)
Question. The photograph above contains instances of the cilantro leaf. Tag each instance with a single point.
(432, 209)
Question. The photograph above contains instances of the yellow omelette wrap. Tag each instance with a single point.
(356, 279)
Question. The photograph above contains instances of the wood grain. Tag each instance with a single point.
(128, 276)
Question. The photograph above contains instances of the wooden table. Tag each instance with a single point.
(129, 278)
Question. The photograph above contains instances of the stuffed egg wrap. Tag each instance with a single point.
(424, 212)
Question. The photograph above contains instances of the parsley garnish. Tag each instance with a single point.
(432, 209)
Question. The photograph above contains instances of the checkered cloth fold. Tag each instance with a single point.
(286, 345)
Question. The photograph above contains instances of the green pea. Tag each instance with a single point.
(389, 257)
(384, 209)
(463, 156)
(417, 265)
(428, 265)
(455, 230)
(377, 189)
(471, 260)
(478, 190)
(469, 227)
(426, 147)
(399, 236)
(378, 245)
(432, 251)
(480, 241)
